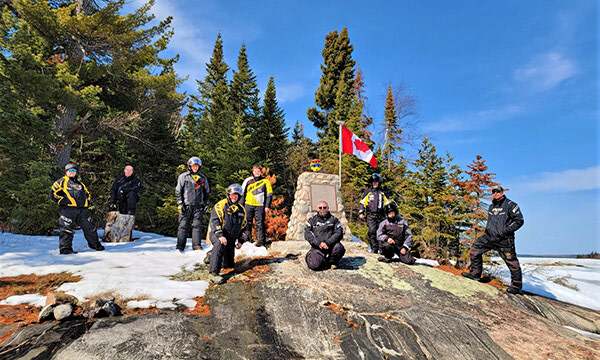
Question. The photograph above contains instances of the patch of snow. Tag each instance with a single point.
(33, 299)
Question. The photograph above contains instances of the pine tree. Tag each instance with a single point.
(271, 132)
(338, 72)
(85, 74)
(477, 189)
(391, 129)
(366, 120)
(211, 116)
(244, 91)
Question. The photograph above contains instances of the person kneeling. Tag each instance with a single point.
(394, 237)
(324, 233)
(227, 220)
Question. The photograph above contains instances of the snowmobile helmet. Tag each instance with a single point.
(234, 189)
(194, 160)
(391, 207)
(70, 166)
(376, 177)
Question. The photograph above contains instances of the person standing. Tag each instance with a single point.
(504, 218)
(372, 203)
(324, 233)
(227, 222)
(257, 198)
(192, 193)
(73, 199)
(125, 192)
(394, 237)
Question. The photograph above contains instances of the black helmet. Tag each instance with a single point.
(70, 166)
(391, 207)
(234, 189)
(376, 177)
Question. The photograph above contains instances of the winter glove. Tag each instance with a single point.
(206, 208)
(182, 208)
(112, 207)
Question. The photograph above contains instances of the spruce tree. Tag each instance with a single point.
(244, 92)
(391, 129)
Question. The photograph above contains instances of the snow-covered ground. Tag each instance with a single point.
(576, 281)
(141, 271)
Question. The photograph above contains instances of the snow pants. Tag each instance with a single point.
(222, 256)
(128, 204)
(506, 249)
(191, 216)
(373, 221)
(319, 259)
(258, 214)
(389, 250)
(69, 216)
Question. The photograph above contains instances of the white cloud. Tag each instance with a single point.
(565, 181)
(474, 120)
(289, 93)
(546, 71)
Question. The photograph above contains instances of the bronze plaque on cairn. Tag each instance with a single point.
(323, 192)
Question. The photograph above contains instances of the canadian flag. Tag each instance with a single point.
(352, 144)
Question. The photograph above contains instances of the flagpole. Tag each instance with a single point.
(340, 154)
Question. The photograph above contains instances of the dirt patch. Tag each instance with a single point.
(33, 284)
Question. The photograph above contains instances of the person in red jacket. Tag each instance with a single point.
(73, 199)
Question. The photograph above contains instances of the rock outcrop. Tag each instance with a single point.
(363, 310)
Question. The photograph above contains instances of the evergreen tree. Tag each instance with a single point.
(211, 116)
(271, 133)
(87, 74)
(366, 120)
(244, 91)
(391, 129)
(338, 72)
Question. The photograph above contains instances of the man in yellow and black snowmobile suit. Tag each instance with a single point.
(73, 199)
(257, 198)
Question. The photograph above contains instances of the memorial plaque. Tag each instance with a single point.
(323, 192)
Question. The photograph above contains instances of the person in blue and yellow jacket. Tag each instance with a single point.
(373, 203)
(73, 199)
(257, 198)
(227, 223)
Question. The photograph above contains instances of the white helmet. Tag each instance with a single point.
(194, 160)
(234, 189)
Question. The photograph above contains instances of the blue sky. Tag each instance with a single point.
(515, 82)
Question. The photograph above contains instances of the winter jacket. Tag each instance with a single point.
(504, 218)
(122, 186)
(397, 229)
(257, 192)
(192, 189)
(325, 229)
(228, 219)
(373, 201)
(71, 192)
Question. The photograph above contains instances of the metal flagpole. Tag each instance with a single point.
(340, 154)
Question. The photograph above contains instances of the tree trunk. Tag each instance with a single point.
(64, 124)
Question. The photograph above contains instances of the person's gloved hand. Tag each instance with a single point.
(112, 207)
(206, 208)
(182, 208)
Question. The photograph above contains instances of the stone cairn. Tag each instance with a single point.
(301, 211)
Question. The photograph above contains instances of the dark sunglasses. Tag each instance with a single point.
(323, 207)
(496, 191)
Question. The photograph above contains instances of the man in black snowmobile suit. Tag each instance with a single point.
(394, 237)
(125, 192)
(324, 233)
(504, 218)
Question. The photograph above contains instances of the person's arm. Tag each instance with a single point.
(515, 218)
(408, 238)
(338, 233)
(113, 191)
(269, 194)
(309, 235)
(56, 192)
(136, 185)
(206, 191)
(363, 202)
(381, 237)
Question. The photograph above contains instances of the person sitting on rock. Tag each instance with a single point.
(324, 233)
(227, 222)
(125, 192)
(394, 237)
